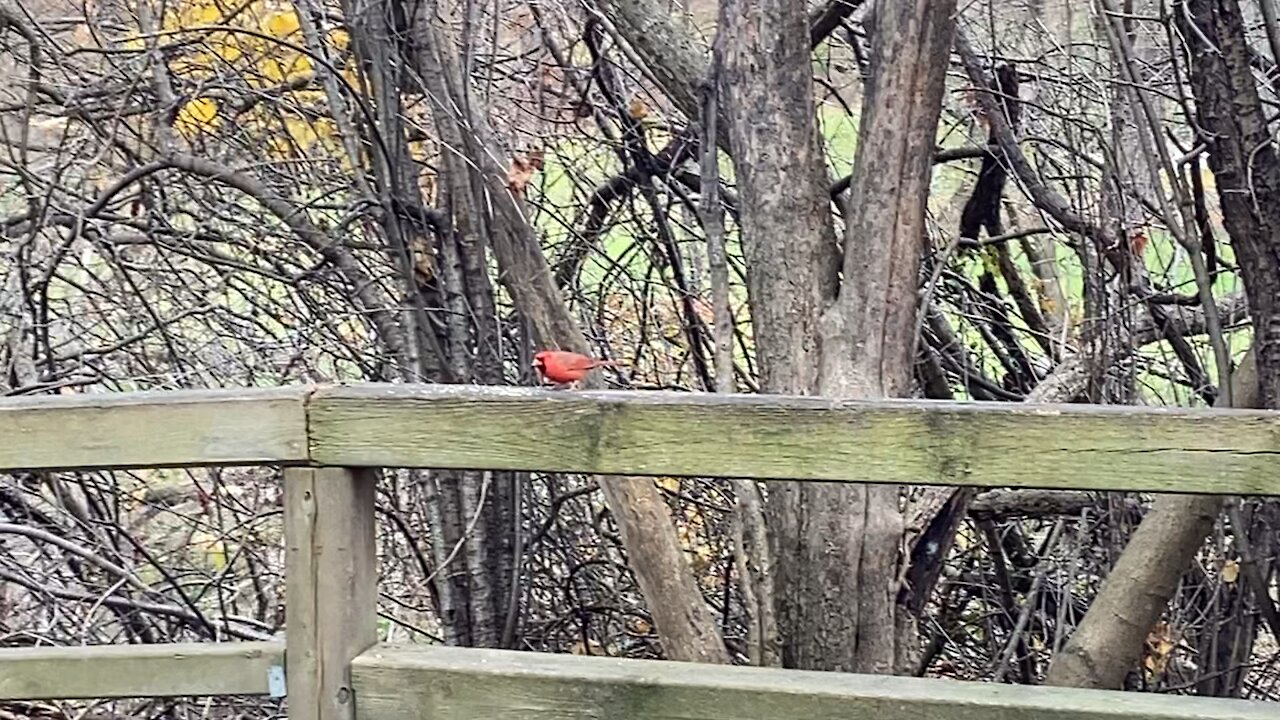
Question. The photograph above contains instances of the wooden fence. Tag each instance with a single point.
(329, 439)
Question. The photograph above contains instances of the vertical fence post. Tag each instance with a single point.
(330, 588)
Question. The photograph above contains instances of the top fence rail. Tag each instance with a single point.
(1089, 447)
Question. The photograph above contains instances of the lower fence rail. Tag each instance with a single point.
(129, 671)
(441, 683)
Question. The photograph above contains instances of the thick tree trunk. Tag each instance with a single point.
(792, 259)
(867, 336)
(787, 234)
(836, 546)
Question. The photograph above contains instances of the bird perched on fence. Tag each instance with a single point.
(565, 368)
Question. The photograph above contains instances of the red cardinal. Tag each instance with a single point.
(565, 368)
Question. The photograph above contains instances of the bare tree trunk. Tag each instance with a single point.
(836, 546)
(1108, 642)
(791, 271)
(1243, 158)
(868, 334)
(685, 624)
(753, 559)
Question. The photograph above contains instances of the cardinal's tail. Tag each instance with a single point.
(608, 363)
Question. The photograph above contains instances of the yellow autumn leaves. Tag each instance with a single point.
(196, 115)
(248, 67)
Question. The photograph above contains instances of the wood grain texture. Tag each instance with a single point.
(440, 683)
(891, 441)
(331, 586)
(154, 429)
(121, 671)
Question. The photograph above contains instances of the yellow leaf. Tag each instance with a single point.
(301, 66)
(301, 131)
(198, 114)
(218, 555)
(281, 24)
(339, 39)
(1230, 571)
(278, 147)
(205, 14)
(350, 74)
(670, 484)
(225, 47)
(350, 331)
(272, 70)
(280, 70)
(192, 14)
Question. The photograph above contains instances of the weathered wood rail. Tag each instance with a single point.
(328, 438)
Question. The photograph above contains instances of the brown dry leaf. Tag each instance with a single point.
(1160, 644)
(522, 170)
(1138, 242)
(550, 77)
(972, 101)
(592, 647)
(704, 310)
(422, 254)
(637, 109)
(1230, 571)
(82, 36)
